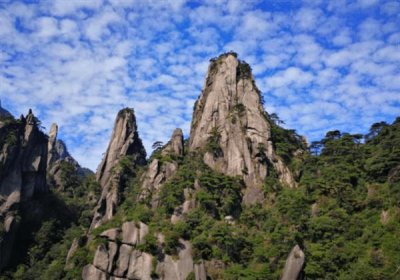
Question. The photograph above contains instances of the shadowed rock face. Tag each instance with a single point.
(124, 142)
(230, 124)
(23, 162)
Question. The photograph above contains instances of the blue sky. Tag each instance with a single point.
(321, 65)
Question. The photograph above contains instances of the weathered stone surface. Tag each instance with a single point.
(294, 264)
(112, 254)
(155, 176)
(124, 141)
(122, 264)
(51, 146)
(175, 145)
(140, 266)
(111, 234)
(101, 258)
(130, 233)
(90, 272)
(229, 113)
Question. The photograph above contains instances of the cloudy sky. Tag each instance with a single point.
(321, 65)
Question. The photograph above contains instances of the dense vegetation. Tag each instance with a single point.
(344, 215)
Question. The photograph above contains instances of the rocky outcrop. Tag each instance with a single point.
(294, 264)
(58, 156)
(229, 124)
(125, 144)
(162, 167)
(119, 257)
(23, 162)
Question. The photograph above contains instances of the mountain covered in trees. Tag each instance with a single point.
(241, 198)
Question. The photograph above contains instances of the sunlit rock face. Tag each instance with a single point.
(124, 143)
(229, 123)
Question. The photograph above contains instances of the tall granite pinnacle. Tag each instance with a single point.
(230, 124)
(124, 141)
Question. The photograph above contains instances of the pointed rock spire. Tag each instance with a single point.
(51, 146)
(124, 141)
(230, 125)
(175, 145)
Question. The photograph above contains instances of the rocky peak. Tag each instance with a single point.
(124, 142)
(175, 145)
(232, 129)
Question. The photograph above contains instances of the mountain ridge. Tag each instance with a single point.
(242, 198)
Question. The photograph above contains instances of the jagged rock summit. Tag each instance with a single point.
(125, 142)
(229, 123)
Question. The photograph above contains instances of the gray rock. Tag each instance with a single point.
(90, 272)
(130, 233)
(111, 234)
(101, 258)
(294, 264)
(175, 145)
(230, 109)
(112, 255)
(122, 264)
(140, 266)
(124, 142)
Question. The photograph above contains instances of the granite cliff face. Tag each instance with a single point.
(160, 170)
(231, 126)
(23, 161)
(125, 144)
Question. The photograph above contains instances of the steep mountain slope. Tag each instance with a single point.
(23, 173)
(230, 124)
